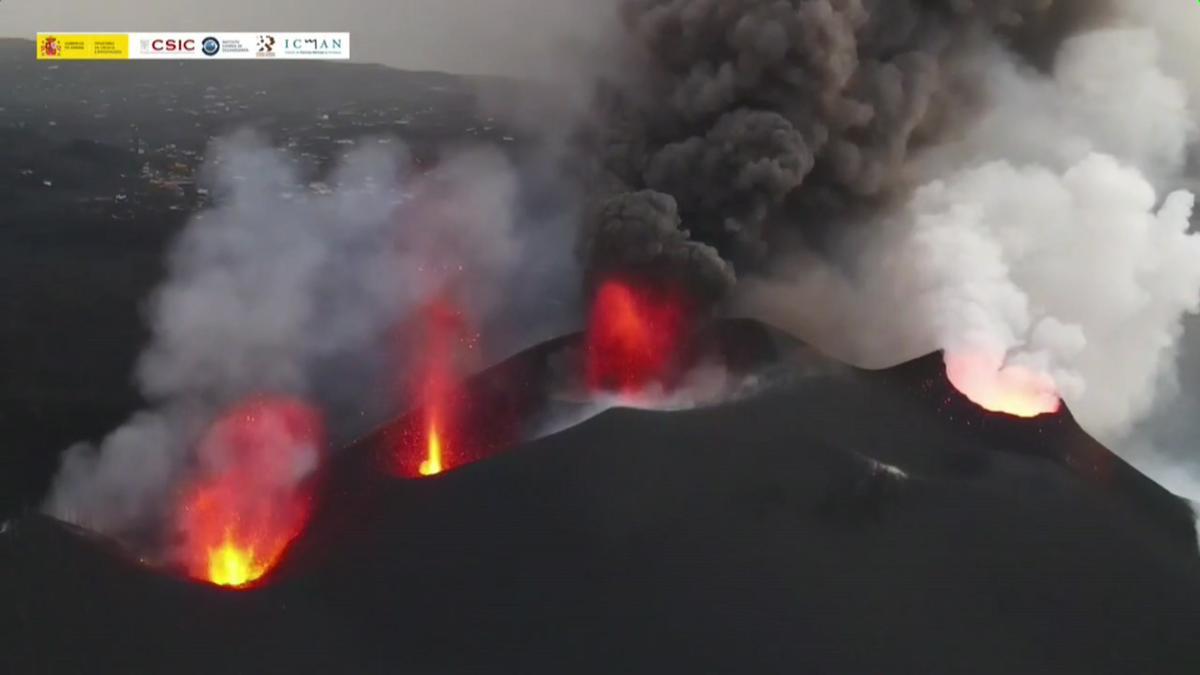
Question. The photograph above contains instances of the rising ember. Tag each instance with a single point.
(1003, 388)
(239, 517)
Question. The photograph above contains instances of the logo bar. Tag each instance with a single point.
(201, 46)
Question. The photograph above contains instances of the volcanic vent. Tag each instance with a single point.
(237, 520)
(635, 335)
(624, 541)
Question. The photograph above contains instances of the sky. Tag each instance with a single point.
(460, 36)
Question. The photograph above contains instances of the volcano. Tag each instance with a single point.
(828, 520)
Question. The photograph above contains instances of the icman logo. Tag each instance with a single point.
(50, 47)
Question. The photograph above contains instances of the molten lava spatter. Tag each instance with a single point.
(250, 502)
(632, 337)
(432, 465)
(1009, 389)
(444, 339)
(231, 565)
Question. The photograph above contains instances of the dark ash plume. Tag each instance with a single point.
(752, 121)
(639, 233)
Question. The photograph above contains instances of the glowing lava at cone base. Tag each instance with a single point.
(239, 517)
(230, 565)
(996, 387)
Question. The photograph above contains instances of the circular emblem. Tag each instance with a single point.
(210, 46)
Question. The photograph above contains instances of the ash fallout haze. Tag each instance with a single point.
(605, 336)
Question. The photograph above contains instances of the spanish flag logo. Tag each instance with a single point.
(82, 47)
(49, 47)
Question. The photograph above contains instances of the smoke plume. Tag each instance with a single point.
(1006, 181)
(1048, 235)
(285, 280)
(752, 123)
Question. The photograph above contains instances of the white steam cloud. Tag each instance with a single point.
(1050, 237)
(284, 276)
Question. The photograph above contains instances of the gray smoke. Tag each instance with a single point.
(286, 279)
(1051, 233)
(641, 233)
(1007, 181)
(755, 123)
(1166, 444)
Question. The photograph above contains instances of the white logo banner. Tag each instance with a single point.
(323, 46)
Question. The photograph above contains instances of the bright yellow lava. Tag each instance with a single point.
(433, 463)
(1017, 404)
(229, 565)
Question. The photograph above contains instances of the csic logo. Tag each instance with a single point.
(50, 47)
(210, 46)
(173, 45)
(266, 45)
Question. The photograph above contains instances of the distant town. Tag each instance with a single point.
(101, 166)
(123, 140)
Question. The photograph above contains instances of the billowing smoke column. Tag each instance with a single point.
(1036, 250)
(758, 122)
(760, 127)
(893, 177)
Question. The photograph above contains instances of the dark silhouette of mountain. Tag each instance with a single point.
(834, 521)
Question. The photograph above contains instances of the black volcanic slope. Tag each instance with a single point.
(837, 522)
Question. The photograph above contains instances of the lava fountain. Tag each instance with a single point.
(251, 502)
(996, 387)
(444, 333)
(432, 464)
(633, 336)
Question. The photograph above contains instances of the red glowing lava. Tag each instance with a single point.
(633, 336)
(996, 387)
(237, 520)
(444, 337)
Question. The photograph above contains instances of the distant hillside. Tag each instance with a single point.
(98, 165)
(164, 99)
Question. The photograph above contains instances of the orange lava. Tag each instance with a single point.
(239, 517)
(633, 335)
(1008, 389)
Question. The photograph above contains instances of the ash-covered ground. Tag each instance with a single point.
(832, 520)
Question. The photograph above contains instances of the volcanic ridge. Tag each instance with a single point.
(813, 517)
